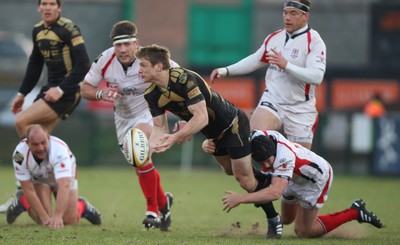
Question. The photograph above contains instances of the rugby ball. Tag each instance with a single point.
(136, 147)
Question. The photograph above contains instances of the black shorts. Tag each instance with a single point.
(235, 140)
(65, 105)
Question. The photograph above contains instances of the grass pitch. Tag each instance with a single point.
(197, 216)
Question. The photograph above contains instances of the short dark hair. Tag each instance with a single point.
(123, 27)
(306, 2)
(58, 2)
(155, 53)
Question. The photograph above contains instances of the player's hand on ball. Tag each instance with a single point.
(165, 142)
(208, 146)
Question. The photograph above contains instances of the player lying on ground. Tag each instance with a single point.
(302, 180)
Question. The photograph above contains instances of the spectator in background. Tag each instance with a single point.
(375, 107)
(119, 67)
(44, 165)
(58, 43)
(296, 56)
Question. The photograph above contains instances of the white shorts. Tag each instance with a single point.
(123, 125)
(52, 183)
(309, 195)
(298, 127)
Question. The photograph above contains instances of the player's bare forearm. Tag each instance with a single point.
(62, 196)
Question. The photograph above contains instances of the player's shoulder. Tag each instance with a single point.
(315, 34)
(275, 34)
(178, 75)
(38, 25)
(150, 89)
(66, 23)
(57, 143)
(105, 56)
(20, 152)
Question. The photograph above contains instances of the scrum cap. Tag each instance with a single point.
(263, 146)
(298, 5)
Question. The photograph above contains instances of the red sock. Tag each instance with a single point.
(24, 202)
(81, 207)
(148, 183)
(333, 220)
(161, 198)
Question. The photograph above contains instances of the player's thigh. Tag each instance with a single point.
(225, 163)
(38, 113)
(263, 118)
(288, 212)
(71, 214)
(304, 222)
(243, 172)
(43, 191)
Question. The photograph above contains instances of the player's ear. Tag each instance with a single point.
(159, 66)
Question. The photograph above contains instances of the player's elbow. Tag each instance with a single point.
(317, 75)
(84, 90)
(276, 195)
(204, 120)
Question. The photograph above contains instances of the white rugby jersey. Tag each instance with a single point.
(297, 163)
(130, 85)
(131, 107)
(304, 48)
(60, 162)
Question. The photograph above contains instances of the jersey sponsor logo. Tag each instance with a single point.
(182, 78)
(77, 40)
(18, 157)
(295, 53)
(194, 92)
(130, 91)
(190, 84)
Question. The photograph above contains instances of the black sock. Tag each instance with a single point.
(264, 181)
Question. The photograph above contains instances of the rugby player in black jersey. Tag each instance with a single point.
(58, 44)
(187, 95)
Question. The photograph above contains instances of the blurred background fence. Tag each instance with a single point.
(363, 60)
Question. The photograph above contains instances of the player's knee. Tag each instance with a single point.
(247, 183)
(71, 219)
(303, 233)
(227, 171)
(286, 220)
(20, 126)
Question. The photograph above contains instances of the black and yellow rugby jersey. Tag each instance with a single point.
(186, 88)
(61, 47)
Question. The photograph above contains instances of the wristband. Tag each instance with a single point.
(99, 94)
(60, 90)
(223, 72)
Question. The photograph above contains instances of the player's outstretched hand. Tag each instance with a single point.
(230, 201)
